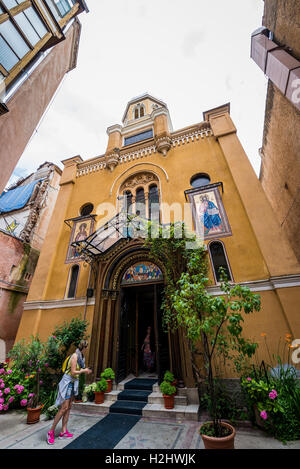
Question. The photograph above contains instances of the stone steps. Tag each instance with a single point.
(180, 391)
(180, 412)
(157, 398)
(133, 400)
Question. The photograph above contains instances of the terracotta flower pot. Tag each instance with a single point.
(169, 401)
(225, 442)
(33, 415)
(99, 397)
(109, 384)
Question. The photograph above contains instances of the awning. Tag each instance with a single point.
(16, 198)
(122, 226)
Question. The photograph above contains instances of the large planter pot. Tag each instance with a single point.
(33, 415)
(109, 385)
(226, 442)
(99, 397)
(169, 401)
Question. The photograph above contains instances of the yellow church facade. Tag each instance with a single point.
(90, 268)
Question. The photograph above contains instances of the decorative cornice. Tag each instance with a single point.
(285, 281)
(114, 128)
(138, 152)
(112, 159)
(163, 144)
(54, 304)
(273, 283)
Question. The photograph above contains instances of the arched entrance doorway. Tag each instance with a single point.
(143, 345)
(129, 294)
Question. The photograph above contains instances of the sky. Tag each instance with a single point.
(192, 54)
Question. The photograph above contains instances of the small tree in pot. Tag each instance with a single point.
(215, 322)
(211, 324)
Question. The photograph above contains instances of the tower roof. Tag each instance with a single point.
(142, 97)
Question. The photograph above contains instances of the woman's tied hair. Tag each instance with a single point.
(82, 344)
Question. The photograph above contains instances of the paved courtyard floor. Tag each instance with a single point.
(146, 434)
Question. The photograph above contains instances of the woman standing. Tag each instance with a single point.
(148, 354)
(67, 389)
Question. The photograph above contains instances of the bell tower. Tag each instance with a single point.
(145, 117)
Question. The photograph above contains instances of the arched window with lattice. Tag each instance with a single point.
(139, 194)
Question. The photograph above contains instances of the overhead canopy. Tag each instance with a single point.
(121, 226)
(16, 198)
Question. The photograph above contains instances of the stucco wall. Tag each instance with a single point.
(17, 265)
(280, 170)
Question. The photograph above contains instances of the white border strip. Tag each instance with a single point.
(273, 283)
(54, 304)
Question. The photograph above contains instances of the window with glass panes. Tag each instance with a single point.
(21, 29)
(60, 8)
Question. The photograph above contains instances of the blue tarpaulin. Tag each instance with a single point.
(16, 198)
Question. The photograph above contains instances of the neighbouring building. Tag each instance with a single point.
(39, 42)
(25, 213)
(90, 266)
(275, 47)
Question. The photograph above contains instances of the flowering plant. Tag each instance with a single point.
(14, 390)
(88, 392)
(263, 395)
(31, 358)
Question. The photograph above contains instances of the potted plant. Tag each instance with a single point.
(89, 393)
(168, 392)
(109, 375)
(100, 389)
(170, 378)
(211, 324)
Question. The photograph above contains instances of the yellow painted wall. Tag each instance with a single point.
(180, 164)
(48, 319)
(249, 254)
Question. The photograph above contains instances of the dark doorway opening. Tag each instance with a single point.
(140, 309)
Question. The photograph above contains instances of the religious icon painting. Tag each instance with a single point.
(142, 272)
(210, 219)
(82, 228)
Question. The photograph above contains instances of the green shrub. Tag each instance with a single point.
(101, 385)
(169, 377)
(167, 389)
(108, 373)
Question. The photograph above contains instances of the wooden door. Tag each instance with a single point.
(136, 333)
(123, 338)
(161, 337)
